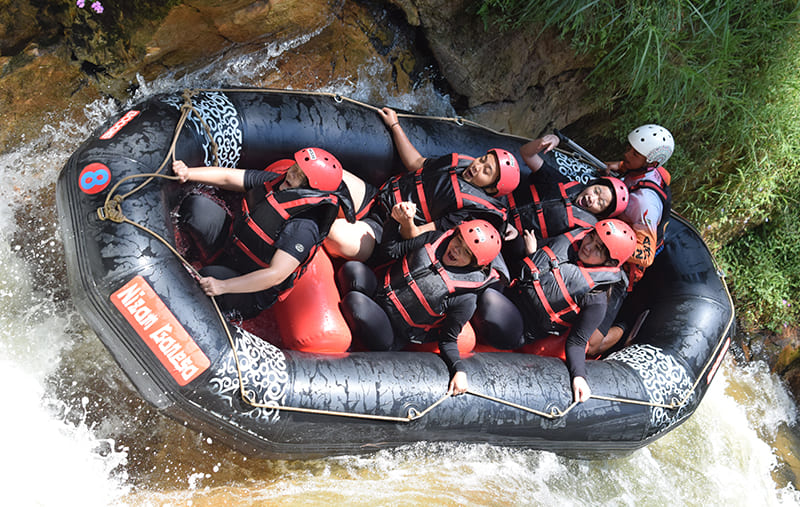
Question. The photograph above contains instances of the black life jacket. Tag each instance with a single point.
(552, 278)
(437, 192)
(416, 288)
(264, 214)
(548, 214)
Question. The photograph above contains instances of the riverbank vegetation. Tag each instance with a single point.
(724, 77)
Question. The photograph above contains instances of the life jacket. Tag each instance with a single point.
(660, 185)
(439, 192)
(416, 288)
(265, 212)
(636, 181)
(552, 278)
(548, 215)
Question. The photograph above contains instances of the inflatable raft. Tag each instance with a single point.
(127, 279)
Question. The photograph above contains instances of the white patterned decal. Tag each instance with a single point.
(264, 375)
(573, 168)
(664, 378)
(222, 119)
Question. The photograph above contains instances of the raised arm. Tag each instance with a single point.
(222, 177)
(409, 155)
(530, 150)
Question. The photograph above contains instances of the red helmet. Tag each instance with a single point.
(620, 192)
(509, 171)
(618, 237)
(482, 239)
(321, 168)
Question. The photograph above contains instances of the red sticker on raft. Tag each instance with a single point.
(94, 178)
(719, 360)
(108, 134)
(157, 326)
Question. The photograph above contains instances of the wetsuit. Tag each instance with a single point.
(385, 312)
(553, 293)
(546, 204)
(441, 197)
(299, 235)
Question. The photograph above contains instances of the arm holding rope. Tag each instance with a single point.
(411, 158)
(222, 177)
(580, 389)
(281, 266)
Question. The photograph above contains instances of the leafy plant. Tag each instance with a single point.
(723, 77)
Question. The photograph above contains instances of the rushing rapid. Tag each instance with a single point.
(77, 431)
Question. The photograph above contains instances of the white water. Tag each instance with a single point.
(75, 433)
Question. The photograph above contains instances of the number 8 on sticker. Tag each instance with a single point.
(94, 178)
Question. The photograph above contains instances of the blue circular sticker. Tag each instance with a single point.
(94, 178)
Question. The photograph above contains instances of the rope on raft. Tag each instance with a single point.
(112, 210)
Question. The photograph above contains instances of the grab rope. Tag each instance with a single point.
(112, 210)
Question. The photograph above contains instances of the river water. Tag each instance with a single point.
(76, 433)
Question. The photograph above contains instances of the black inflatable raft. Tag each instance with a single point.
(262, 400)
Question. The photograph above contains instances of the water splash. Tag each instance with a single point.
(78, 425)
(715, 458)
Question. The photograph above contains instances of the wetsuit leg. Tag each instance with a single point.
(367, 321)
(356, 276)
(497, 321)
(206, 221)
(246, 305)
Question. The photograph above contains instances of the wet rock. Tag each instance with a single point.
(307, 44)
(193, 33)
(792, 378)
(25, 108)
(518, 81)
(18, 26)
(781, 351)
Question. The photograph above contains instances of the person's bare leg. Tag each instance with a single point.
(356, 187)
(350, 241)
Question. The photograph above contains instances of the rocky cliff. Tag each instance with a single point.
(516, 82)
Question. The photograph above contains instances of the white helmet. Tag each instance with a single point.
(654, 142)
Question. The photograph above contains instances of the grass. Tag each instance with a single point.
(723, 77)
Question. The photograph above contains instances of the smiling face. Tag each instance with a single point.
(592, 251)
(595, 198)
(457, 255)
(633, 160)
(483, 172)
(295, 178)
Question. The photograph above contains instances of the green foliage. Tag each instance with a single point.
(767, 273)
(723, 76)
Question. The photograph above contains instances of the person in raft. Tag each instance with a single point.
(446, 191)
(427, 294)
(560, 287)
(551, 204)
(649, 147)
(285, 215)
